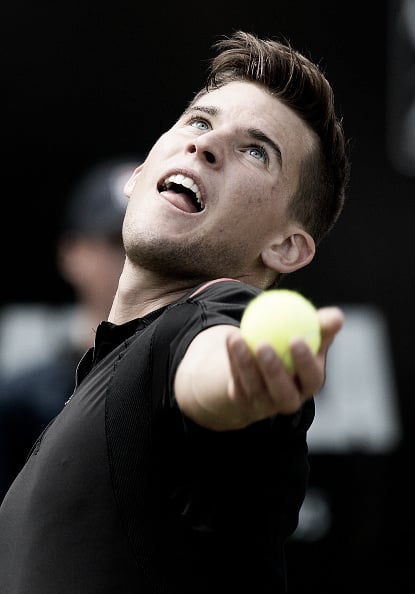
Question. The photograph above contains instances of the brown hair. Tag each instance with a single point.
(301, 85)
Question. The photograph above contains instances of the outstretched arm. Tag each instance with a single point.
(221, 386)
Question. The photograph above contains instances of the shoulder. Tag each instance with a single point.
(224, 295)
(219, 302)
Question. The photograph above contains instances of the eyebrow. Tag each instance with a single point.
(209, 109)
(261, 137)
(254, 133)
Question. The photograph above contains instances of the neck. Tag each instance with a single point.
(141, 292)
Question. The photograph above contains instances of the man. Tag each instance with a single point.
(179, 465)
(45, 342)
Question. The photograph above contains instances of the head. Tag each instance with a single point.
(263, 157)
(300, 84)
(90, 254)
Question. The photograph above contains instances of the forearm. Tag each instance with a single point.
(221, 385)
(202, 383)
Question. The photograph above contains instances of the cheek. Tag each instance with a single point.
(251, 201)
(261, 206)
(253, 192)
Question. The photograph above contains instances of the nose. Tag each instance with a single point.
(204, 147)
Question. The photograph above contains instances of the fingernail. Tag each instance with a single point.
(299, 349)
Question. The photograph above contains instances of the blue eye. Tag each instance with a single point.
(258, 152)
(199, 124)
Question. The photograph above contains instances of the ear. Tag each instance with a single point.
(129, 186)
(290, 253)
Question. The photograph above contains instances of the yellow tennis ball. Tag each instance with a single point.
(275, 317)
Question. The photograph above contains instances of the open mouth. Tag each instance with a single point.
(183, 192)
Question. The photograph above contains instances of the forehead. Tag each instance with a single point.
(250, 104)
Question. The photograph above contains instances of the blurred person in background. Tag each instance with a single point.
(89, 257)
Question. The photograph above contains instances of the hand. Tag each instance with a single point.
(262, 387)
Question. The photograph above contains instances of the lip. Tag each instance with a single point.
(182, 200)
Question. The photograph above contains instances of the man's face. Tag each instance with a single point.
(238, 151)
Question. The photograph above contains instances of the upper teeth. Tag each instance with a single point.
(187, 182)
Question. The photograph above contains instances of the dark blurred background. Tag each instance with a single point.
(86, 80)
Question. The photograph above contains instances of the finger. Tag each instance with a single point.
(331, 321)
(284, 395)
(309, 369)
(246, 378)
(260, 382)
